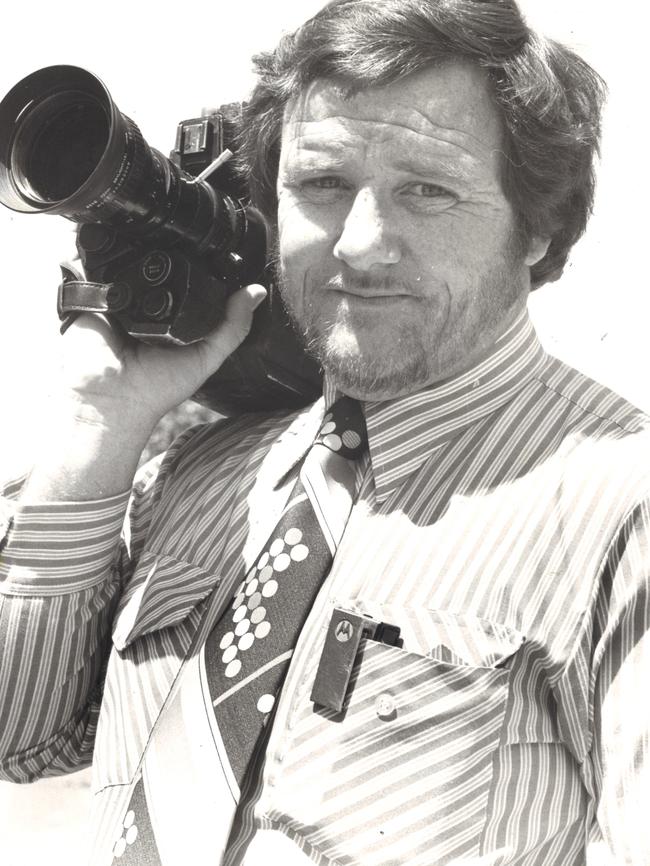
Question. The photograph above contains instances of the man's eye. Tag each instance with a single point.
(324, 189)
(428, 190)
(427, 197)
(327, 182)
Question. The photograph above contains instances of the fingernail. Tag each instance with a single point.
(259, 293)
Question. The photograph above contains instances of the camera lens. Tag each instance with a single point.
(65, 148)
(58, 147)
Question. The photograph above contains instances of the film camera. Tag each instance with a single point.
(164, 242)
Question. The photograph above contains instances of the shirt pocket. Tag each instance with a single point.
(402, 774)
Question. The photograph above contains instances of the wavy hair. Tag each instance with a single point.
(549, 100)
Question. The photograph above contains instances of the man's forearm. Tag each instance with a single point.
(58, 589)
(84, 456)
(59, 586)
(50, 704)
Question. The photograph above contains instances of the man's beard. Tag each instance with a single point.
(332, 343)
(408, 363)
(353, 371)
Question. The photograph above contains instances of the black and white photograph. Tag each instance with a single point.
(325, 465)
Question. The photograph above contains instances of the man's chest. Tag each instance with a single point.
(475, 583)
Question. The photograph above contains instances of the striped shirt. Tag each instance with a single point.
(502, 521)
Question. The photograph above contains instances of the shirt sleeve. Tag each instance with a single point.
(620, 753)
(62, 568)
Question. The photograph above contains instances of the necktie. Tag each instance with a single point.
(248, 651)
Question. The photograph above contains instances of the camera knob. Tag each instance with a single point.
(118, 297)
(157, 304)
(95, 238)
(156, 267)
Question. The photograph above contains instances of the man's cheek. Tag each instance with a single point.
(306, 226)
(296, 283)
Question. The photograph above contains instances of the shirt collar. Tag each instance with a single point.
(404, 432)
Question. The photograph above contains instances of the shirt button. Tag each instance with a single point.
(385, 707)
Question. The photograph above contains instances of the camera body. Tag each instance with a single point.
(164, 242)
(159, 288)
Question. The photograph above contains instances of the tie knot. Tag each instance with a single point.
(344, 429)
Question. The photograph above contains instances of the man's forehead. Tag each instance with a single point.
(451, 101)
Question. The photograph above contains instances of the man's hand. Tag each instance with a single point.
(111, 392)
(114, 379)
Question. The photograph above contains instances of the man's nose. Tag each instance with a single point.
(366, 238)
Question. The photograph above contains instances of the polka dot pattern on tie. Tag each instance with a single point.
(265, 703)
(128, 834)
(249, 613)
(340, 434)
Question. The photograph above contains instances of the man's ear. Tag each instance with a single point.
(537, 248)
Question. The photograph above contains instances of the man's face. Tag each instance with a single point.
(396, 244)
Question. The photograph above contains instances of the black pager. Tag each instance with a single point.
(337, 659)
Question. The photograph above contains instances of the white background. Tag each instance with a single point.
(166, 61)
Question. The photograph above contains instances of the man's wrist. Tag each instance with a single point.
(121, 418)
(85, 452)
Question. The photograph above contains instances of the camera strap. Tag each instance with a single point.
(76, 296)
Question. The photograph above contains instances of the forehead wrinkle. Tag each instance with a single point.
(433, 155)
(450, 102)
(453, 135)
(442, 135)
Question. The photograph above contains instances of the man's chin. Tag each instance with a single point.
(367, 378)
(366, 367)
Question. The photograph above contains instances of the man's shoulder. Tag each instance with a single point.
(222, 445)
(212, 456)
(592, 404)
(602, 440)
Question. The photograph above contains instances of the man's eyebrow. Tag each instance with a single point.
(317, 151)
(314, 162)
(419, 164)
(424, 165)
(320, 144)
(315, 155)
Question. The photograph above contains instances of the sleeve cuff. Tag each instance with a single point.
(58, 547)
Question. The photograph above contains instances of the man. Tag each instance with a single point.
(425, 164)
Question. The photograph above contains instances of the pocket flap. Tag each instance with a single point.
(472, 640)
(450, 637)
(161, 593)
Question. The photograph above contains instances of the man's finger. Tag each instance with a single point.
(236, 323)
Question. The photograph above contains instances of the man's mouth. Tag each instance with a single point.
(373, 298)
(368, 289)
